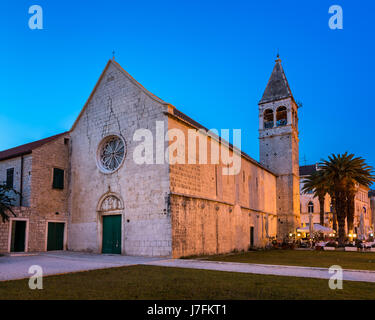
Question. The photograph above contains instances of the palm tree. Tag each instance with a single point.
(317, 184)
(343, 171)
(6, 202)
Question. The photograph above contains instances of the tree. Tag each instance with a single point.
(6, 202)
(343, 172)
(317, 184)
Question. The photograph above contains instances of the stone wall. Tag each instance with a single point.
(212, 212)
(44, 203)
(26, 170)
(46, 200)
(35, 230)
(204, 227)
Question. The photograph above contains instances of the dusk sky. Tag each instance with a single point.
(210, 59)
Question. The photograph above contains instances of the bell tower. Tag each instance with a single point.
(278, 147)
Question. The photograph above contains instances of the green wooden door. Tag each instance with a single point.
(112, 234)
(55, 238)
(18, 236)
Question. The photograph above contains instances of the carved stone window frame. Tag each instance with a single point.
(99, 153)
(110, 196)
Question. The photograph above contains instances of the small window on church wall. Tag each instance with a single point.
(310, 207)
(281, 117)
(111, 153)
(268, 119)
(10, 178)
(58, 178)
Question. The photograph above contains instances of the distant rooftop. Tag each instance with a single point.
(307, 170)
(26, 148)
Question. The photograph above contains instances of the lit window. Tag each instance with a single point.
(310, 207)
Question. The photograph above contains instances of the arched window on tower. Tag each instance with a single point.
(310, 207)
(268, 119)
(281, 116)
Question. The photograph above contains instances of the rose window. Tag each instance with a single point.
(111, 153)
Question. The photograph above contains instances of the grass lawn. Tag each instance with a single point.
(347, 260)
(150, 282)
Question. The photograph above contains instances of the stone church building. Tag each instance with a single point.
(83, 190)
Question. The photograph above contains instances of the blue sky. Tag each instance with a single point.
(211, 59)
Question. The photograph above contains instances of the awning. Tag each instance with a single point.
(317, 228)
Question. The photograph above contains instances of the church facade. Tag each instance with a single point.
(86, 190)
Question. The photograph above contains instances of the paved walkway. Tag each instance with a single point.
(279, 270)
(16, 267)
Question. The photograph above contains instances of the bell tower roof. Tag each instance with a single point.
(277, 86)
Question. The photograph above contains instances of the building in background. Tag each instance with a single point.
(363, 218)
(39, 171)
(371, 195)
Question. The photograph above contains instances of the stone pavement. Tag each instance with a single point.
(279, 270)
(16, 267)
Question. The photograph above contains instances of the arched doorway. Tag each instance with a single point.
(110, 211)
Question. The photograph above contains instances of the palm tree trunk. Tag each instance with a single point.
(350, 212)
(321, 207)
(334, 215)
(334, 222)
(340, 205)
(342, 233)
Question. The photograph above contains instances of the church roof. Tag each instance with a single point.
(26, 148)
(277, 86)
(307, 170)
(176, 112)
(196, 124)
